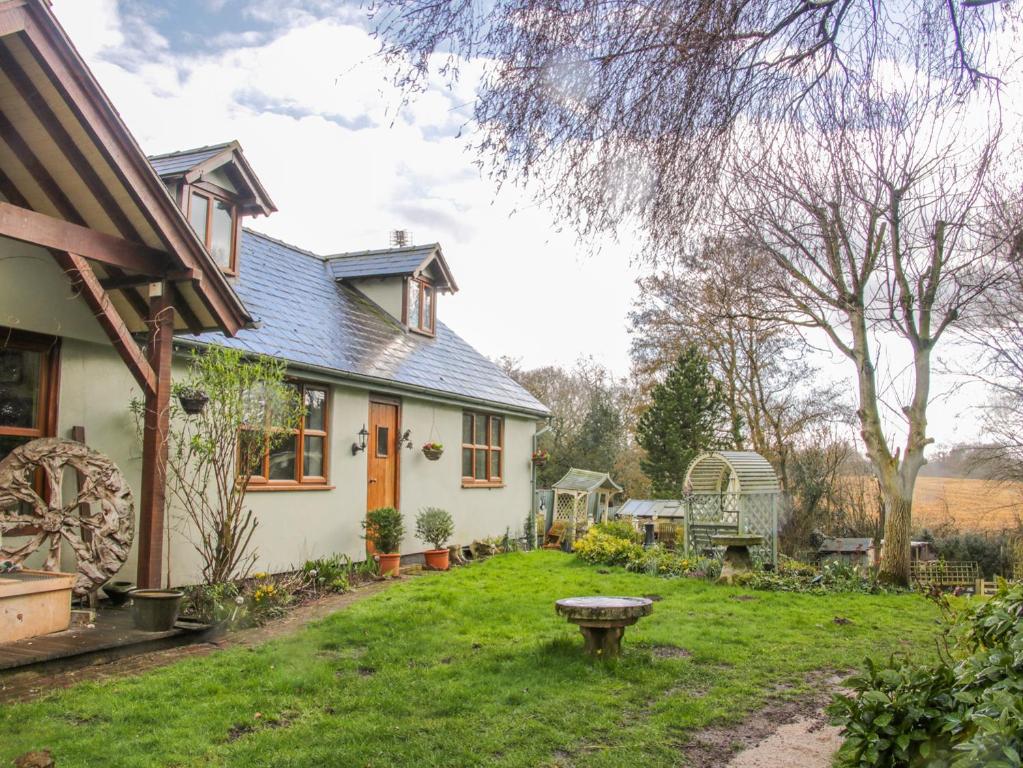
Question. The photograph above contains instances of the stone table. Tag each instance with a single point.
(603, 620)
(737, 557)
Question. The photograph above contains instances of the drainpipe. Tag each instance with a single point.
(532, 484)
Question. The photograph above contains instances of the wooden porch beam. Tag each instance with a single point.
(121, 281)
(39, 229)
(156, 428)
(85, 280)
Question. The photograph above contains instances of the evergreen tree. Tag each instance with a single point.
(687, 415)
(601, 437)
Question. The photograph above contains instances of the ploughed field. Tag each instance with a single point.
(974, 505)
(471, 668)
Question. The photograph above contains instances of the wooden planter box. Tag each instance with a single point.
(34, 603)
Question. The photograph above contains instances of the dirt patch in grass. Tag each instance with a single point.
(774, 736)
(669, 652)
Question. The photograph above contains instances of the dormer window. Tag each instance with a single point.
(215, 188)
(214, 219)
(421, 315)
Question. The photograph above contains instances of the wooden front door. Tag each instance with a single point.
(382, 450)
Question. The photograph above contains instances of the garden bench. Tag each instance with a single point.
(701, 534)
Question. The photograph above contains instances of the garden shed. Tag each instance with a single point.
(580, 496)
(731, 492)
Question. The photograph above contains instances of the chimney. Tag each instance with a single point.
(400, 238)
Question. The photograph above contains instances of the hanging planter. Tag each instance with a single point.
(193, 401)
(433, 451)
(541, 457)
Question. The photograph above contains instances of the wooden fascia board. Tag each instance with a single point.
(438, 257)
(233, 154)
(12, 17)
(85, 280)
(39, 229)
(72, 78)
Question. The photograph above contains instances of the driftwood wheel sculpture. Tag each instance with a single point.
(98, 523)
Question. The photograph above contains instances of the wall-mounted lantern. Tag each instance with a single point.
(361, 444)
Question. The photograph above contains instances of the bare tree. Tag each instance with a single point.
(627, 108)
(714, 297)
(871, 206)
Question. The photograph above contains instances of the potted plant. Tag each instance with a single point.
(541, 457)
(155, 610)
(433, 451)
(192, 400)
(435, 526)
(384, 531)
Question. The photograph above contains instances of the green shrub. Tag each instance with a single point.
(213, 603)
(599, 548)
(435, 526)
(332, 573)
(385, 529)
(994, 554)
(965, 711)
(658, 561)
(620, 529)
(793, 576)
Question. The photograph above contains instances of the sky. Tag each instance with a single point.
(295, 81)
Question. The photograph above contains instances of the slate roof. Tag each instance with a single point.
(184, 160)
(399, 261)
(307, 317)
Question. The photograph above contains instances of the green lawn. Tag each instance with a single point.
(472, 668)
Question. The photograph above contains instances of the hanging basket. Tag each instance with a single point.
(193, 402)
(433, 452)
(540, 459)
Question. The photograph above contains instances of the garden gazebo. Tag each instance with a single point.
(731, 492)
(582, 495)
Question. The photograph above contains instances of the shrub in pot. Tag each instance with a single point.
(385, 528)
(435, 526)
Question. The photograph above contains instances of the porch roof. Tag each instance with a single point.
(586, 480)
(74, 180)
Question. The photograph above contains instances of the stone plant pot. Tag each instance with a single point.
(437, 559)
(155, 610)
(389, 564)
(118, 592)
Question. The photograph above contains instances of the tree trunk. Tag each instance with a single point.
(895, 556)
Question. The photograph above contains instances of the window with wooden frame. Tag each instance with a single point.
(300, 461)
(29, 383)
(421, 306)
(29, 391)
(482, 450)
(215, 220)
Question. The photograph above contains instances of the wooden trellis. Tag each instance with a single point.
(581, 496)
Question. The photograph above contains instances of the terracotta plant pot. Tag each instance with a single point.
(437, 559)
(432, 453)
(389, 564)
(155, 610)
